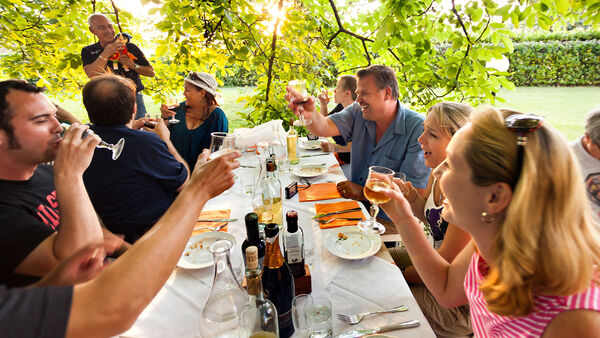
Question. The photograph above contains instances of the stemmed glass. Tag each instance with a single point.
(115, 148)
(300, 87)
(172, 104)
(377, 182)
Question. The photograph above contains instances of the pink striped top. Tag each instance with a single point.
(488, 324)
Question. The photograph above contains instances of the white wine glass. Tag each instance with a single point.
(377, 183)
(172, 104)
(299, 86)
(115, 148)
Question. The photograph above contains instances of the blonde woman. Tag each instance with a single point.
(442, 121)
(513, 184)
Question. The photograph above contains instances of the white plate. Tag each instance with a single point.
(357, 245)
(310, 170)
(196, 254)
(310, 144)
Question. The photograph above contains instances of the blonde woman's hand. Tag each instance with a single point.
(324, 97)
(398, 207)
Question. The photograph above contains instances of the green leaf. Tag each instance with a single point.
(562, 6)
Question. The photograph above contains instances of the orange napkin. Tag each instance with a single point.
(317, 192)
(210, 214)
(331, 207)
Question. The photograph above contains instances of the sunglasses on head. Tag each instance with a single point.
(522, 124)
(195, 77)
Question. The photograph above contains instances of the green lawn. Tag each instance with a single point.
(564, 107)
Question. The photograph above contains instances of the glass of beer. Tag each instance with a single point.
(378, 181)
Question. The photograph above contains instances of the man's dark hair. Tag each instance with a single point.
(109, 100)
(384, 77)
(348, 82)
(6, 115)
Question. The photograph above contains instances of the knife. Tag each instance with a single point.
(226, 220)
(336, 212)
(314, 155)
(393, 327)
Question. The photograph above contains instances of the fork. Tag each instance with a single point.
(217, 228)
(320, 221)
(355, 319)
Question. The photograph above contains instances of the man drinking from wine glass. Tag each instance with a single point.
(382, 131)
(39, 226)
(131, 193)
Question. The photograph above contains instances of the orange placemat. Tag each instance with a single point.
(209, 214)
(331, 207)
(318, 192)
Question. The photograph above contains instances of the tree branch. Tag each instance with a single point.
(214, 31)
(341, 29)
(248, 26)
(117, 16)
(460, 22)
(272, 57)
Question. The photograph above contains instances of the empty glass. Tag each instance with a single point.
(220, 144)
(115, 148)
(302, 315)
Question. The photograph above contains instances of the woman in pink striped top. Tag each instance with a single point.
(531, 268)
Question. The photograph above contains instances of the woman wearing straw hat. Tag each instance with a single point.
(201, 114)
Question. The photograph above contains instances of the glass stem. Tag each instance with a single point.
(374, 211)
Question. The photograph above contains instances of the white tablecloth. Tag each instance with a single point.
(351, 286)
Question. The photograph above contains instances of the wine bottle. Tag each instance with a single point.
(293, 244)
(278, 281)
(272, 195)
(259, 316)
(253, 238)
(292, 142)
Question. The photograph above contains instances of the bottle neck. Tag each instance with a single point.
(254, 281)
(252, 233)
(273, 257)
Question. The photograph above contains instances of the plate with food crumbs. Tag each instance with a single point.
(310, 170)
(351, 243)
(310, 144)
(196, 254)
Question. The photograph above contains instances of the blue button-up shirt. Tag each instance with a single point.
(398, 148)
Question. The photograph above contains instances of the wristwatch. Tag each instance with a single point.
(136, 66)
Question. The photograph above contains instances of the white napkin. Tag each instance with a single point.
(248, 137)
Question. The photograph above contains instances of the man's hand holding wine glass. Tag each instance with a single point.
(74, 152)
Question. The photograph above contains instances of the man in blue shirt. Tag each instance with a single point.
(132, 192)
(383, 132)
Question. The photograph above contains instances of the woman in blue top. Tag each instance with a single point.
(200, 115)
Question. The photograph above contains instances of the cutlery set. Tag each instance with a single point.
(356, 318)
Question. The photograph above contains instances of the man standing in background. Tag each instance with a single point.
(96, 58)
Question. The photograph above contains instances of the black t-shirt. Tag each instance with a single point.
(35, 312)
(339, 139)
(28, 215)
(90, 53)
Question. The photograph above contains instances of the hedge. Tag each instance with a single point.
(572, 35)
(556, 63)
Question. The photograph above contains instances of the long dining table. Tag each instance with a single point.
(352, 286)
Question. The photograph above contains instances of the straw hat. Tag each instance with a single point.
(203, 80)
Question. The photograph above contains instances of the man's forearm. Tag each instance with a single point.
(322, 126)
(79, 224)
(98, 67)
(145, 71)
(147, 265)
(64, 116)
(178, 157)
